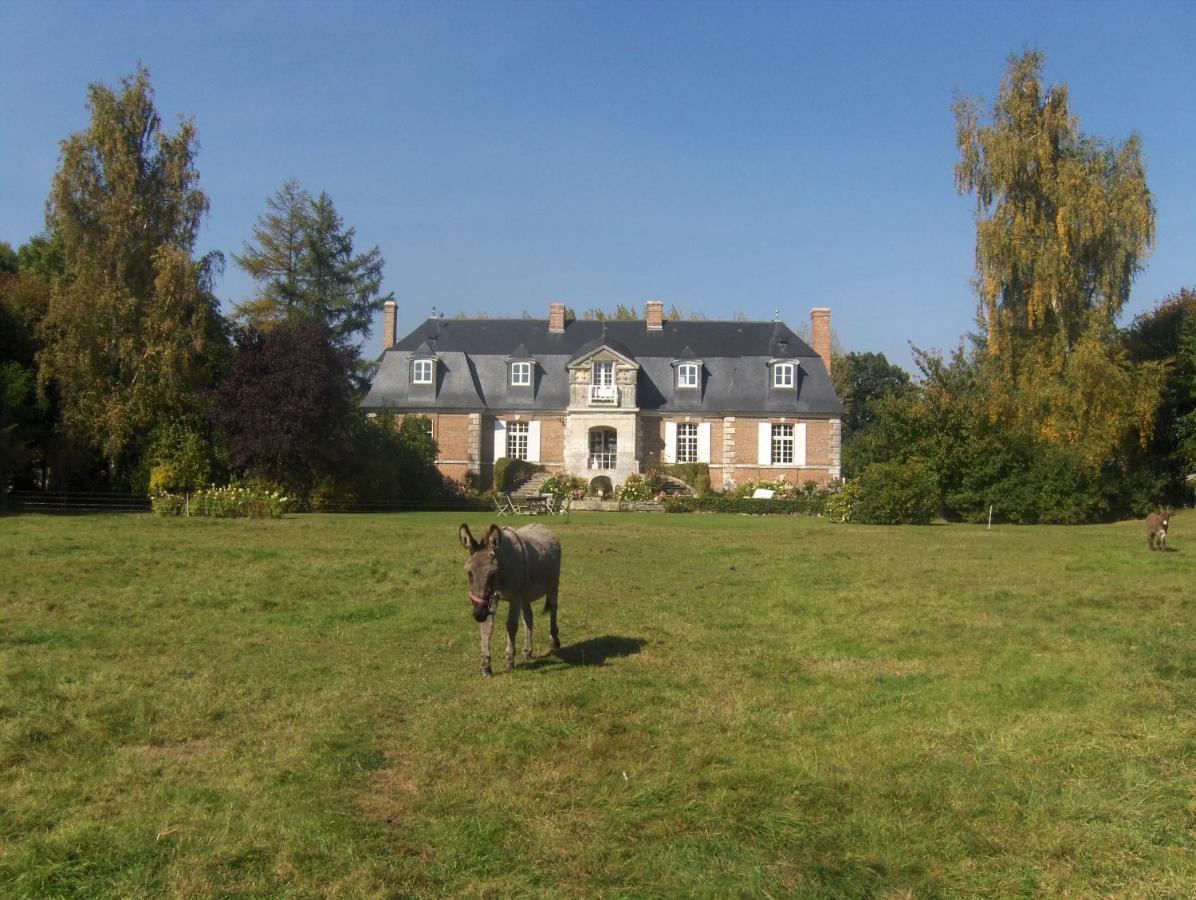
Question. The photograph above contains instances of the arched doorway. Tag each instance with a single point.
(603, 448)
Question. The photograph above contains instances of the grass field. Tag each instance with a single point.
(742, 707)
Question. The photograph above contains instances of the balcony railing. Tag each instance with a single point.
(602, 460)
(604, 393)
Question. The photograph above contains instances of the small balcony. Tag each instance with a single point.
(604, 394)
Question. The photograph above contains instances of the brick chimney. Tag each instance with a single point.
(390, 325)
(654, 314)
(556, 318)
(820, 334)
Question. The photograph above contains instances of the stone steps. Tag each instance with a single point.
(531, 487)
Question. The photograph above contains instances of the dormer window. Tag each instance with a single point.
(687, 375)
(521, 374)
(783, 375)
(422, 371)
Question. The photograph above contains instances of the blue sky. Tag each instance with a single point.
(724, 158)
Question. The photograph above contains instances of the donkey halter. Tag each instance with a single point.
(479, 602)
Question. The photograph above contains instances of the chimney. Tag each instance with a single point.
(390, 325)
(556, 318)
(654, 314)
(820, 334)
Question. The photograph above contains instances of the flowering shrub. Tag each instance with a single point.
(635, 489)
(782, 489)
(167, 504)
(838, 505)
(562, 486)
(234, 501)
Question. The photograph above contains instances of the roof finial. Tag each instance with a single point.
(776, 316)
(604, 329)
(433, 310)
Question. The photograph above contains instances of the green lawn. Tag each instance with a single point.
(742, 707)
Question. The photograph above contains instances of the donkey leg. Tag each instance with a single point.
(550, 602)
(512, 627)
(487, 628)
(527, 631)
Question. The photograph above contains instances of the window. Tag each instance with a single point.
(782, 375)
(687, 442)
(604, 448)
(687, 375)
(422, 371)
(782, 445)
(521, 373)
(517, 440)
(603, 387)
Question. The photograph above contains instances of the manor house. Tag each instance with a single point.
(751, 399)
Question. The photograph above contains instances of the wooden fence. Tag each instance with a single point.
(74, 502)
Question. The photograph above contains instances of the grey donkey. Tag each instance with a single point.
(1156, 528)
(518, 565)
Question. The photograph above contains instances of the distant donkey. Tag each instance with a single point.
(1156, 528)
(518, 565)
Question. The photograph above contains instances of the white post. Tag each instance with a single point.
(990, 517)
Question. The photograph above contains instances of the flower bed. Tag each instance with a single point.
(234, 501)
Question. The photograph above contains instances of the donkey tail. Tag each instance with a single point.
(549, 601)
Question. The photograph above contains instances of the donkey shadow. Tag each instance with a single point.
(592, 652)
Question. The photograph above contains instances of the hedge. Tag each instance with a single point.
(721, 503)
(509, 473)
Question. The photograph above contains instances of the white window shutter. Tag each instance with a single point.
(670, 442)
(533, 441)
(500, 439)
(764, 445)
(704, 442)
(799, 443)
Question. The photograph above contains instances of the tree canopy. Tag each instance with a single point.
(1063, 219)
(1063, 222)
(861, 379)
(283, 408)
(132, 323)
(303, 261)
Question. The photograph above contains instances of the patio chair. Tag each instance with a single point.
(512, 508)
(562, 507)
(499, 506)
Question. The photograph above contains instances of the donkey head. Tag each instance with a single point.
(482, 570)
(1165, 516)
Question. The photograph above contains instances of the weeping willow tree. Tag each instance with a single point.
(1063, 223)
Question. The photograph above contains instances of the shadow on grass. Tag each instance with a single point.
(592, 652)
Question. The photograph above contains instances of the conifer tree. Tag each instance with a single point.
(303, 260)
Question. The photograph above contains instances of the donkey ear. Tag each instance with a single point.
(467, 540)
(492, 538)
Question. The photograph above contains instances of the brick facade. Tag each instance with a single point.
(454, 433)
(822, 458)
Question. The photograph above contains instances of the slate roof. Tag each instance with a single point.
(473, 355)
